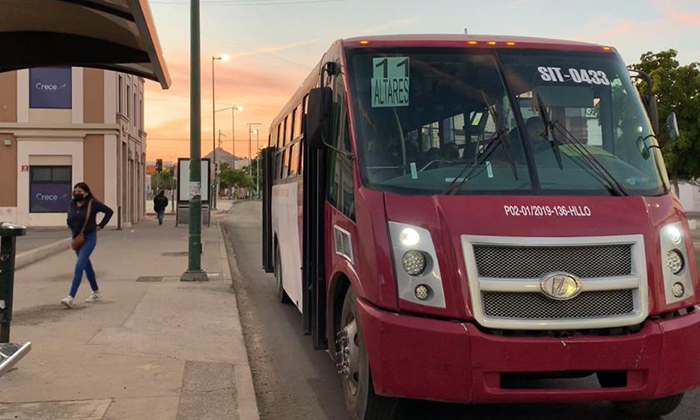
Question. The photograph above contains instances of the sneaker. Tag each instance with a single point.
(94, 297)
(67, 302)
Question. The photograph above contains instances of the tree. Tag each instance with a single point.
(226, 176)
(162, 180)
(677, 89)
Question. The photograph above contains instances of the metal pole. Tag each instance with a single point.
(250, 153)
(194, 261)
(233, 136)
(257, 163)
(213, 128)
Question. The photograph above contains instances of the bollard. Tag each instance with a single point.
(8, 238)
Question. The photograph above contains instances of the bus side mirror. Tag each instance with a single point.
(648, 98)
(652, 111)
(672, 127)
(318, 115)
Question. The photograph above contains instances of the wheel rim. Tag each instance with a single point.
(349, 353)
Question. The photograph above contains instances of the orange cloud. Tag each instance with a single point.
(261, 90)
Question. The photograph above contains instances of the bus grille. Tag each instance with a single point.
(498, 261)
(597, 304)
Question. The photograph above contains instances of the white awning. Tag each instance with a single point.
(110, 34)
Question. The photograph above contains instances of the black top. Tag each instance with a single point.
(160, 202)
(76, 216)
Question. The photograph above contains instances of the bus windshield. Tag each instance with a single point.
(426, 119)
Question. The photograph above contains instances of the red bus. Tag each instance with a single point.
(457, 217)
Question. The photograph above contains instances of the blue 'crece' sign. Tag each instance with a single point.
(50, 88)
(49, 198)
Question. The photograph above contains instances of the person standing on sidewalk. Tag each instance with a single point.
(160, 203)
(80, 222)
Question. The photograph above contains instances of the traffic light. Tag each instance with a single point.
(159, 165)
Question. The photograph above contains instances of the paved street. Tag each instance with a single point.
(293, 381)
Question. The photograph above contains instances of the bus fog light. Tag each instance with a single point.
(422, 292)
(409, 237)
(674, 261)
(678, 290)
(413, 262)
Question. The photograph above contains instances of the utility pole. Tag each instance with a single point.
(257, 163)
(214, 59)
(194, 249)
(250, 152)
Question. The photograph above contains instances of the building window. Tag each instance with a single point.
(120, 87)
(50, 88)
(142, 113)
(50, 189)
(128, 101)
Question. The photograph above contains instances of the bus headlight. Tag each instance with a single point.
(674, 261)
(674, 234)
(416, 266)
(409, 237)
(678, 284)
(414, 262)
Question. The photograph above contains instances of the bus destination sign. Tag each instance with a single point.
(390, 81)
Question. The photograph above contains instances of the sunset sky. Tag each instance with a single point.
(274, 43)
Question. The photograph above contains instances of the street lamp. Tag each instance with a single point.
(222, 57)
(233, 131)
(250, 154)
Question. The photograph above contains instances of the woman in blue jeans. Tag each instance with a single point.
(82, 199)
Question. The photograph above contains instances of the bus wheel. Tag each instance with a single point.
(651, 408)
(353, 365)
(281, 294)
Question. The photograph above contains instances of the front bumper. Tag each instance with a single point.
(415, 357)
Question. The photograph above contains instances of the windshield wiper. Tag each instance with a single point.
(594, 167)
(490, 147)
(549, 128)
(497, 140)
(614, 187)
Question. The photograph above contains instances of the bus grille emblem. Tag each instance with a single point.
(560, 286)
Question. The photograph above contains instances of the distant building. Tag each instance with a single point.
(223, 156)
(59, 126)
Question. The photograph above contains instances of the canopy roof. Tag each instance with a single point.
(110, 34)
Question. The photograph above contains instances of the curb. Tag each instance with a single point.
(34, 255)
(246, 399)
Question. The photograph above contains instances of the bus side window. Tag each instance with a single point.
(283, 164)
(348, 189)
(293, 159)
(341, 185)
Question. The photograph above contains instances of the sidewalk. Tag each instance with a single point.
(40, 236)
(154, 348)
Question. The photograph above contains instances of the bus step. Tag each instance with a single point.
(11, 353)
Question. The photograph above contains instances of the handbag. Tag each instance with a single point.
(79, 239)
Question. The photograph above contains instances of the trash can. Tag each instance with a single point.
(10, 353)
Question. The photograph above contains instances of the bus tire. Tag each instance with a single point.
(282, 296)
(361, 401)
(655, 408)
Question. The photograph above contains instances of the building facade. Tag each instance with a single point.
(60, 126)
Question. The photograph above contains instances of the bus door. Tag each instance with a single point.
(314, 185)
(268, 156)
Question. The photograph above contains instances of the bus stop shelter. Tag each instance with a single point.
(117, 35)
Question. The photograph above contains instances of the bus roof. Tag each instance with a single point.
(489, 41)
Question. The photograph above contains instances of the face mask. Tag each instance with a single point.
(78, 197)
